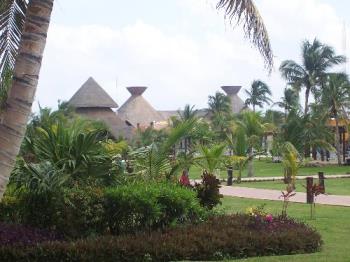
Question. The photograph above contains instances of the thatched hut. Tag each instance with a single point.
(137, 111)
(237, 103)
(93, 102)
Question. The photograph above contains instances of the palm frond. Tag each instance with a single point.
(12, 16)
(245, 11)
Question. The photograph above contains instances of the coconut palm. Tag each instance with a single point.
(188, 113)
(317, 58)
(250, 122)
(258, 95)
(336, 98)
(289, 100)
(30, 52)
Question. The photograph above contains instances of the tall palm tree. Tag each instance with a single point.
(317, 58)
(220, 112)
(336, 98)
(289, 100)
(30, 52)
(258, 95)
(25, 79)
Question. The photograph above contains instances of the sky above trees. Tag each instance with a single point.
(183, 50)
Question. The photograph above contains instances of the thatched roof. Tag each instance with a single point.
(117, 126)
(237, 103)
(136, 110)
(91, 94)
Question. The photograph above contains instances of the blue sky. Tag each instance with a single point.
(183, 50)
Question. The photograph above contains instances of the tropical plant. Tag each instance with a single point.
(290, 163)
(258, 95)
(12, 15)
(289, 101)
(252, 127)
(211, 157)
(188, 113)
(335, 97)
(317, 58)
(153, 162)
(29, 58)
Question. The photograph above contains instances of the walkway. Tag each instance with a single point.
(275, 195)
(277, 178)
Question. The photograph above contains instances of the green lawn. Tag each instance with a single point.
(339, 186)
(332, 223)
(265, 168)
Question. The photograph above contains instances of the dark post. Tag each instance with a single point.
(321, 182)
(229, 176)
(309, 194)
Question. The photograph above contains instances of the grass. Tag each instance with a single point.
(332, 222)
(339, 186)
(264, 168)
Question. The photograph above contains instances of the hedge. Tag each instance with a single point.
(220, 237)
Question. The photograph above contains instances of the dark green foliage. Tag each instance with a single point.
(131, 208)
(208, 191)
(234, 236)
(75, 212)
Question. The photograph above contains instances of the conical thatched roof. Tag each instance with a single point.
(237, 103)
(136, 110)
(91, 94)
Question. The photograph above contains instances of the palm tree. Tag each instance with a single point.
(189, 113)
(336, 98)
(258, 94)
(317, 58)
(289, 101)
(219, 104)
(36, 20)
(252, 127)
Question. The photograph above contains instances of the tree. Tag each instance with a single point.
(289, 101)
(220, 112)
(25, 79)
(336, 98)
(252, 127)
(189, 113)
(317, 58)
(258, 95)
(28, 63)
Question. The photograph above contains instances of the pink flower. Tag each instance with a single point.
(269, 218)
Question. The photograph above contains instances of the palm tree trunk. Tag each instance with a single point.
(337, 138)
(26, 74)
(307, 94)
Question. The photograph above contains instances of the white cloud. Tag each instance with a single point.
(179, 67)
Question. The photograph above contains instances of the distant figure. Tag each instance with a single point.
(184, 180)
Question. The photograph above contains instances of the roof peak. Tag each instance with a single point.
(91, 94)
(136, 90)
(231, 90)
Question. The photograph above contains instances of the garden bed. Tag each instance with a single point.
(226, 236)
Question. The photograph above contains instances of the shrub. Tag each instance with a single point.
(75, 212)
(208, 191)
(233, 236)
(12, 234)
(141, 206)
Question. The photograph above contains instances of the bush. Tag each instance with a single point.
(208, 191)
(74, 212)
(234, 236)
(11, 234)
(134, 207)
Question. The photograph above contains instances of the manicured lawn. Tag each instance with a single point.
(265, 168)
(332, 222)
(339, 186)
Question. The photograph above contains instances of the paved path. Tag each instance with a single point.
(275, 195)
(280, 178)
